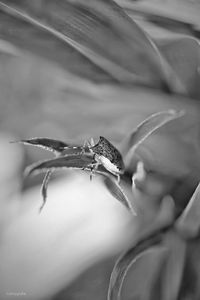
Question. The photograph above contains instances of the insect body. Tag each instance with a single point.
(107, 155)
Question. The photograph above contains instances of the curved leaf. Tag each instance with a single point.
(147, 127)
(183, 53)
(46, 143)
(116, 190)
(188, 224)
(183, 12)
(44, 188)
(30, 35)
(174, 267)
(124, 263)
(84, 28)
(75, 161)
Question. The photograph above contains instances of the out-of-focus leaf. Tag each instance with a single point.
(169, 274)
(190, 288)
(76, 161)
(183, 53)
(162, 278)
(147, 127)
(7, 48)
(144, 278)
(84, 28)
(173, 272)
(184, 12)
(29, 35)
(189, 222)
(46, 143)
(116, 190)
(124, 263)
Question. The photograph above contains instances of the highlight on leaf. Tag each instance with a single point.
(46, 143)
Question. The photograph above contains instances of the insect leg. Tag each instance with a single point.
(118, 178)
(92, 143)
(93, 169)
(85, 147)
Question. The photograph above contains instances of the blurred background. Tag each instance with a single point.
(48, 90)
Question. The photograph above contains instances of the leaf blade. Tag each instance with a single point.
(188, 224)
(116, 190)
(74, 161)
(46, 143)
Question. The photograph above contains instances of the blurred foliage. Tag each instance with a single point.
(172, 250)
(76, 69)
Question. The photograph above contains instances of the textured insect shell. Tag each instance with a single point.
(108, 156)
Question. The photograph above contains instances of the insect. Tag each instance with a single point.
(100, 157)
(107, 155)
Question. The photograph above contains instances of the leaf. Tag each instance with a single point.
(82, 28)
(124, 263)
(8, 49)
(116, 190)
(183, 53)
(44, 188)
(46, 143)
(182, 12)
(75, 161)
(188, 224)
(190, 288)
(147, 127)
(173, 272)
(30, 35)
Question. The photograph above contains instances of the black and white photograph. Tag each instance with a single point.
(99, 149)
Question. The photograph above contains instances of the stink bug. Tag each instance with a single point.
(107, 155)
